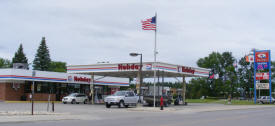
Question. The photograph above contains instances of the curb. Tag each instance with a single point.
(31, 102)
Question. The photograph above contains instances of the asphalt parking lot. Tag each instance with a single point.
(100, 108)
(18, 112)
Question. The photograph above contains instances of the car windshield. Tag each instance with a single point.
(119, 93)
(73, 94)
(268, 97)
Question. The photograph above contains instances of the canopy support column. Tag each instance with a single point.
(92, 89)
(138, 84)
(183, 88)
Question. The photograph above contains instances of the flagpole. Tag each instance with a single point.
(155, 60)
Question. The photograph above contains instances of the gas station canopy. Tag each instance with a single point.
(127, 70)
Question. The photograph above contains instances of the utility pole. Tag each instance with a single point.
(33, 76)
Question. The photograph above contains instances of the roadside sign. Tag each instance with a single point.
(262, 56)
(262, 76)
(262, 65)
(262, 85)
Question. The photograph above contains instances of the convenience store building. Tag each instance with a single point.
(15, 84)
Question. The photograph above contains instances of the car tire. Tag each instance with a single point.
(64, 102)
(121, 104)
(85, 101)
(176, 103)
(126, 106)
(108, 105)
(73, 101)
(261, 102)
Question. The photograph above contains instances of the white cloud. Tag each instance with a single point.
(89, 31)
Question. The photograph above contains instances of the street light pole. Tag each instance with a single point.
(140, 73)
(140, 77)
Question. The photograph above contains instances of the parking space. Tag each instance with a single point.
(20, 112)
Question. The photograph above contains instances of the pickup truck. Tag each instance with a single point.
(265, 100)
(122, 99)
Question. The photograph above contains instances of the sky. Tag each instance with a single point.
(90, 31)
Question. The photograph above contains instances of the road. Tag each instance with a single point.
(121, 117)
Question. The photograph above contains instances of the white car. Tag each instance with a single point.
(122, 99)
(265, 100)
(75, 98)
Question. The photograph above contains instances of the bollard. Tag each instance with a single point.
(161, 103)
(53, 106)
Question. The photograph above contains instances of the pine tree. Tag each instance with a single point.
(19, 56)
(42, 60)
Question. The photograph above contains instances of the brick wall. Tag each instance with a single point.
(8, 93)
(42, 97)
(2, 91)
(12, 94)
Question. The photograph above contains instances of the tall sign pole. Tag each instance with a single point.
(269, 62)
(255, 95)
(262, 61)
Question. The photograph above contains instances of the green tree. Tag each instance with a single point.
(42, 60)
(5, 63)
(198, 87)
(221, 64)
(246, 75)
(58, 66)
(19, 56)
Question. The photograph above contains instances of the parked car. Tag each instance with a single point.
(75, 98)
(265, 100)
(122, 99)
(178, 100)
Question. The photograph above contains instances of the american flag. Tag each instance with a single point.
(149, 24)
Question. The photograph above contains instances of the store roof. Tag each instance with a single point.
(21, 75)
